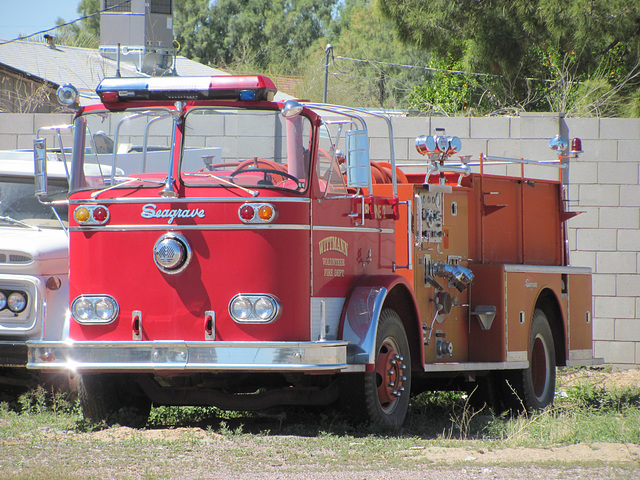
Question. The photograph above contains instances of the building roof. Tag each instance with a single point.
(83, 67)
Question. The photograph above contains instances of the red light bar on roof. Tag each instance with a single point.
(222, 87)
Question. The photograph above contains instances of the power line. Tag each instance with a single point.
(124, 2)
(444, 70)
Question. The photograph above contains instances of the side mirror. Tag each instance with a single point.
(40, 167)
(358, 163)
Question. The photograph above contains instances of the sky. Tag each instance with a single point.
(24, 17)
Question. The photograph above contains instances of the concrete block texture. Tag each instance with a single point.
(599, 195)
(618, 173)
(627, 329)
(537, 125)
(628, 285)
(603, 329)
(615, 352)
(620, 128)
(616, 262)
(628, 151)
(17, 123)
(8, 142)
(619, 217)
(596, 240)
(454, 126)
(583, 173)
(583, 128)
(491, 127)
(598, 151)
(604, 284)
(615, 307)
(629, 240)
(630, 194)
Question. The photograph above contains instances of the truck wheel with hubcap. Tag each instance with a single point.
(536, 385)
(381, 397)
(114, 399)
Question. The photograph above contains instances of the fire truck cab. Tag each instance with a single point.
(230, 250)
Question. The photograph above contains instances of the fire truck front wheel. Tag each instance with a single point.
(381, 397)
(113, 399)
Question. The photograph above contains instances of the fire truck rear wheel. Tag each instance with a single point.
(381, 397)
(536, 385)
(113, 399)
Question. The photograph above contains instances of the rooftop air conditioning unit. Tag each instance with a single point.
(144, 31)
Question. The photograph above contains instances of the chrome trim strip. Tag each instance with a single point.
(165, 227)
(329, 228)
(474, 366)
(24, 322)
(137, 200)
(518, 356)
(253, 226)
(325, 317)
(547, 269)
(178, 355)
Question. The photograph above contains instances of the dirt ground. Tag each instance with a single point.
(580, 461)
(599, 378)
(197, 453)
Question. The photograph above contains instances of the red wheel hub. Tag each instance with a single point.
(390, 374)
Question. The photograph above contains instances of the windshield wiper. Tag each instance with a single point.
(13, 221)
(129, 180)
(253, 193)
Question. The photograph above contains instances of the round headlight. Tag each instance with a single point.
(264, 308)
(17, 302)
(82, 309)
(105, 309)
(3, 300)
(241, 308)
(67, 94)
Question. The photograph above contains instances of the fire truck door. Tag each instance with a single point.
(346, 244)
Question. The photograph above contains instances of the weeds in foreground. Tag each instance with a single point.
(584, 413)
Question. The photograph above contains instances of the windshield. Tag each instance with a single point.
(220, 147)
(18, 202)
(121, 145)
(245, 148)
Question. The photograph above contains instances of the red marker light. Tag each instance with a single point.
(246, 213)
(576, 146)
(100, 214)
(110, 97)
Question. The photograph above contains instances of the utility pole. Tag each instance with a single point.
(327, 51)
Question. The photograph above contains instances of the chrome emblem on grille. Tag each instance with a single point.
(172, 253)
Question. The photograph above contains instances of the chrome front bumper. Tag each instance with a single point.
(178, 355)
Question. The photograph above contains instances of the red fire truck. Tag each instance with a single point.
(230, 250)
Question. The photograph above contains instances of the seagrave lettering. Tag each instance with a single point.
(150, 211)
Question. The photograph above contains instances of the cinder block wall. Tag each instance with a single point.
(17, 130)
(604, 183)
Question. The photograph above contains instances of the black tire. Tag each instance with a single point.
(487, 393)
(381, 398)
(535, 386)
(113, 399)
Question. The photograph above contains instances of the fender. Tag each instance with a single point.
(361, 315)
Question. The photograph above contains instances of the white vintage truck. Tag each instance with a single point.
(34, 262)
